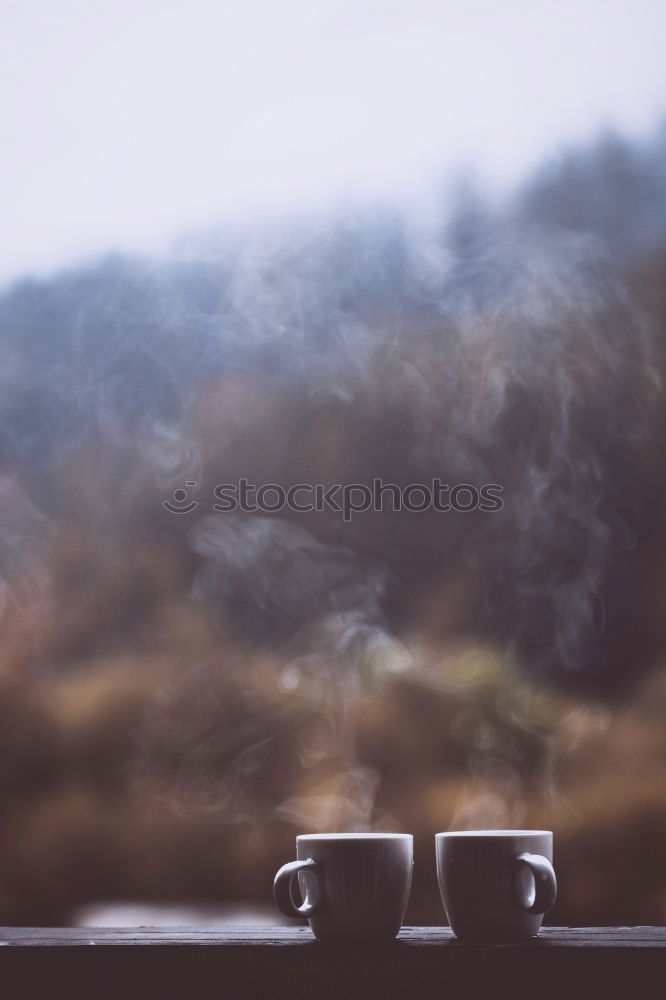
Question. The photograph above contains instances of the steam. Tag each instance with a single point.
(346, 804)
(339, 350)
(508, 365)
(325, 603)
(288, 581)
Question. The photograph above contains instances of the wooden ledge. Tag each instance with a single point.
(279, 962)
(259, 937)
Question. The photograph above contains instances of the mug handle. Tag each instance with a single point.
(283, 889)
(545, 883)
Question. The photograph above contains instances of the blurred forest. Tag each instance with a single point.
(182, 693)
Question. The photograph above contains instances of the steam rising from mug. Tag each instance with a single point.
(356, 348)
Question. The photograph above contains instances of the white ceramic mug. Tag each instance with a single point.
(496, 884)
(355, 886)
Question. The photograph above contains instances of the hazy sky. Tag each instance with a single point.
(124, 121)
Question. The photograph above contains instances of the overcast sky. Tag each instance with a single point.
(125, 121)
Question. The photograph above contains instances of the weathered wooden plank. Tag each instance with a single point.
(267, 937)
(250, 963)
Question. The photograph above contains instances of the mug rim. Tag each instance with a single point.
(354, 836)
(482, 834)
